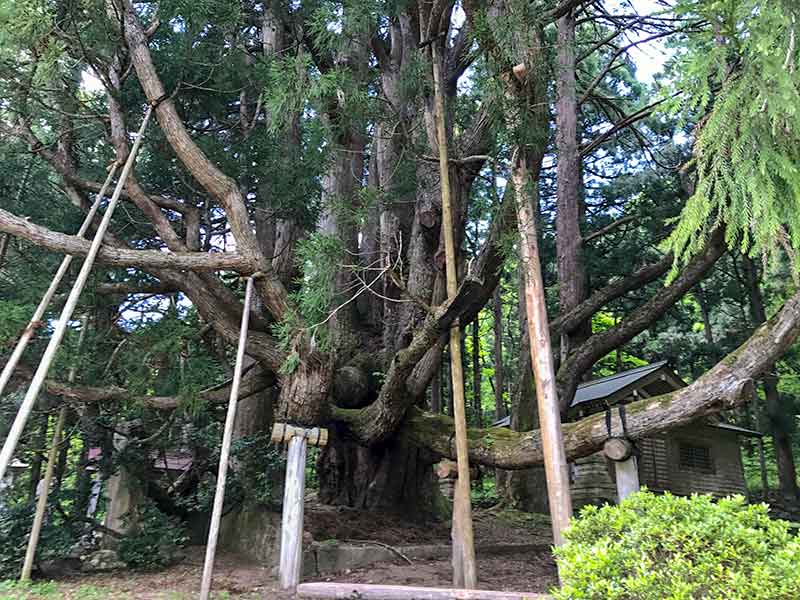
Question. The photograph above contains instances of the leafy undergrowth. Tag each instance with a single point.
(662, 546)
(52, 590)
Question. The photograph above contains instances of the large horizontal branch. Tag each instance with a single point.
(126, 288)
(727, 385)
(123, 257)
(617, 288)
(252, 383)
(600, 344)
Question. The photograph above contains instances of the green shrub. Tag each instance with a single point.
(155, 541)
(55, 539)
(654, 547)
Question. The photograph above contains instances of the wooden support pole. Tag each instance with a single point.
(347, 591)
(294, 491)
(555, 460)
(41, 503)
(10, 444)
(30, 330)
(464, 568)
(225, 451)
(627, 472)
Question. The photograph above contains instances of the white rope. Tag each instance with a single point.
(27, 335)
(224, 455)
(10, 444)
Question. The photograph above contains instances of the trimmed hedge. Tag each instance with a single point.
(657, 547)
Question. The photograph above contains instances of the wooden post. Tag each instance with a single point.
(26, 336)
(10, 444)
(224, 456)
(291, 560)
(294, 494)
(555, 460)
(627, 472)
(41, 503)
(464, 569)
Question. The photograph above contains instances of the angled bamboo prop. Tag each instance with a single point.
(225, 451)
(555, 459)
(27, 335)
(10, 444)
(41, 504)
(464, 569)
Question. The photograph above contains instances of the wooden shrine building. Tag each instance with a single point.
(704, 457)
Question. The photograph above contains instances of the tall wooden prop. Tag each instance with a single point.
(555, 460)
(225, 451)
(464, 569)
(291, 560)
(41, 503)
(10, 445)
(26, 336)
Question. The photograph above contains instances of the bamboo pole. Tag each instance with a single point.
(41, 503)
(27, 335)
(10, 445)
(224, 456)
(464, 569)
(555, 461)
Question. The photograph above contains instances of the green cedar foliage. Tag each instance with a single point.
(740, 79)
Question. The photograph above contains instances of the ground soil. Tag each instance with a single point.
(235, 577)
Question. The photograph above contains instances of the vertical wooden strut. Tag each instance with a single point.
(464, 570)
(41, 503)
(294, 491)
(10, 445)
(291, 559)
(26, 336)
(555, 461)
(224, 455)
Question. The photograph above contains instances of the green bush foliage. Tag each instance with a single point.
(653, 547)
(55, 539)
(155, 541)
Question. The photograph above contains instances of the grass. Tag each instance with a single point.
(50, 590)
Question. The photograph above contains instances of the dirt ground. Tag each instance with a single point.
(236, 577)
(491, 527)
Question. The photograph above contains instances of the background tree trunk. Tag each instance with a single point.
(780, 417)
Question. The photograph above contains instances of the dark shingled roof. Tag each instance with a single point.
(597, 389)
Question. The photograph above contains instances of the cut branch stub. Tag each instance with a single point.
(618, 449)
(283, 432)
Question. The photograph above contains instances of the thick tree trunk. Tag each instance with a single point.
(779, 417)
(569, 242)
(395, 476)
